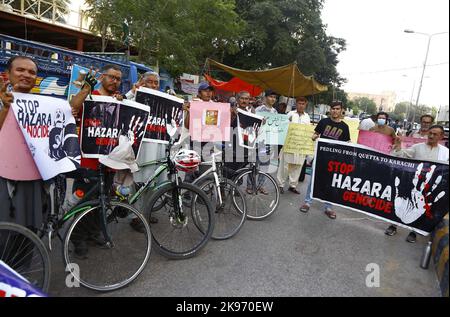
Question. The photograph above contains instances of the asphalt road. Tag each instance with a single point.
(290, 254)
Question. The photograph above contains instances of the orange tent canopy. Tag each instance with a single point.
(234, 85)
(286, 80)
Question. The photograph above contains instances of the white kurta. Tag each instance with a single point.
(294, 117)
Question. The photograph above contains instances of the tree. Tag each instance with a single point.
(280, 32)
(365, 104)
(176, 34)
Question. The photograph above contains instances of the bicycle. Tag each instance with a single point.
(23, 251)
(185, 217)
(231, 208)
(99, 238)
(263, 193)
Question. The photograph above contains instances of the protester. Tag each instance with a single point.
(110, 80)
(271, 98)
(329, 128)
(150, 151)
(382, 126)
(425, 123)
(290, 165)
(368, 123)
(22, 190)
(428, 151)
(281, 108)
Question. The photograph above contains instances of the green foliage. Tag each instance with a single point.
(280, 32)
(401, 108)
(177, 34)
(251, 34)
(364, 104)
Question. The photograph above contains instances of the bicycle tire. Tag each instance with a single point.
(229, 219)
(85, 227)
(252, 210)
(32, 244)
(170, 229)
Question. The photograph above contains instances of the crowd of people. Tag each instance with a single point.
(23, 195)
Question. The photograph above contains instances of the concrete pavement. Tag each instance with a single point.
(290, 254)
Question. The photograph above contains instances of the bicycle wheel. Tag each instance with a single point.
(261, 192)
(101, 265)
(176, 235)
(25, 253)
(231, 213)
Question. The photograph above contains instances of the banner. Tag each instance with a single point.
(299, 139)
(166, 114)
(353, 125)
(50, 132)
(189, 87)
(13, 284)
(407, 142)
(77, 80)
(275, 128)
(105, 119)
(409, 193)
(377, 141)
(248, 128)
(209, 121)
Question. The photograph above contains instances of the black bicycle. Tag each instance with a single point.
(23, 251)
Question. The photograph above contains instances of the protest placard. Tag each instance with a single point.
(105, 119)
(298, 139)
(209, 121)
(249, 125)
(49, 130)
(406, 192)
(376, 141)
(275, 128)
(166, 114)
(77, 80)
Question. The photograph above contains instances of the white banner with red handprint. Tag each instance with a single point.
(105, 119)
(166, 115)
(49, 130)
(410, 193)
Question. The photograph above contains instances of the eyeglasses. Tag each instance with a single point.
(112, 77)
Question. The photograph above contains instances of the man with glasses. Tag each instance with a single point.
(110, 80)
(425, 123)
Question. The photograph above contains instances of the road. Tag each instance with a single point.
(290, 254)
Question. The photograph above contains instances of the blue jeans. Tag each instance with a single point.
(308, 198)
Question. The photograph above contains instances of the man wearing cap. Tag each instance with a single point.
(291, 164)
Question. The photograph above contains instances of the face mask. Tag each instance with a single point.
(381, 121)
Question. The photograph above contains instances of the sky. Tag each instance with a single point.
(380, 56)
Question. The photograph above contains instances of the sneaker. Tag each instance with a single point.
(281, 190)
(391, 231)
(153, 220)
(305, 208)
(137, 225)
(330, 213)
(412, 237)
(294, 190)
(249, 191)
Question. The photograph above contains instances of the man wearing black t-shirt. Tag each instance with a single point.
(329, 128)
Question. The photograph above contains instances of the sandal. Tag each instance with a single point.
(331, 214)
(263, 191)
